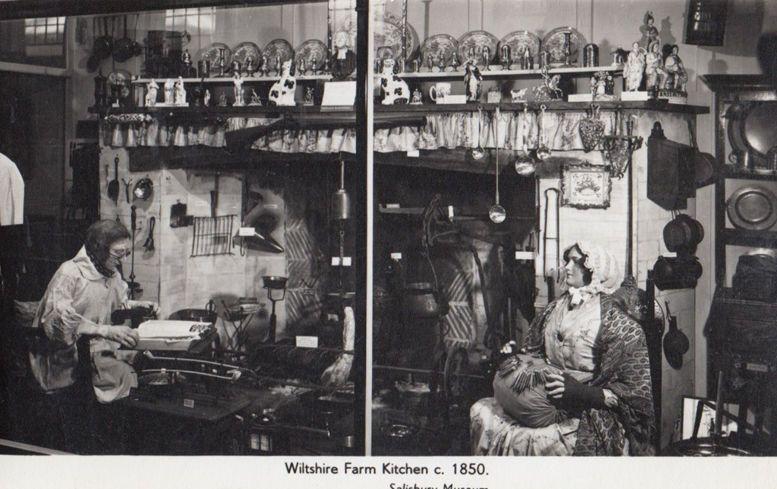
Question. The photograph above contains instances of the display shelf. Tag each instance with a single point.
(210, 112)
(229, 79)
(733, 173)
(488, 74)
(658, 105)
(746, 237)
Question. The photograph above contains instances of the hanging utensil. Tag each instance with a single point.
(676, 343)
(591, 129)
(549, 273)
(122, 48)
(497, 213)
(341, 202)
(148, 245)
(543, 151)
(134, 287)
(524, 163)
(113, 185)
(127, 184)
(478, 153)
(214, 196)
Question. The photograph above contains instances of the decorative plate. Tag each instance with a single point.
(553, 43)
(278, 47)
(439, 45)
(310, 48)
(388, 32)
(519, 41)
(213, 52)
(752, 207)
(477, 40)
(245, 49)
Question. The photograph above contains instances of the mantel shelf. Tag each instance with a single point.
(229, 79)
(657, 105)
(533, 73)
(211, 112)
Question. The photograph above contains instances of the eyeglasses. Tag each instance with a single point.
(122, 253)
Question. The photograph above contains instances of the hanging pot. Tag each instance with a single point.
(676, 343)
(420, 301)
(671, 273)
(122, 48)
(682, 234)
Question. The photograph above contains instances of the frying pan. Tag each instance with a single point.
(113, 185)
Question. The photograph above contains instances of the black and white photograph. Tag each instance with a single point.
(387, 243)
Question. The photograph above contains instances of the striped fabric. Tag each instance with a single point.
(460, 322)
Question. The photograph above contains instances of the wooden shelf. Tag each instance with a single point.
(553, 106)
(748, 175)
(489, 74)
(228, 79)
(746, 237)
(211, 112)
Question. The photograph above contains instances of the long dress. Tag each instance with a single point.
(620, 364)
(634, 70)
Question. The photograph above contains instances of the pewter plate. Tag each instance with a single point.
(553, 44)
(245, 49)
(519, 41)
(439, 46)
(753, 208)
(388, 33)
(278, 47)
(212, 53)
(310, 49)
(477, 40)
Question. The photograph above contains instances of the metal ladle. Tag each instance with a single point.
(543, 152)
(497, 213)
(524, 163)
(478, 153)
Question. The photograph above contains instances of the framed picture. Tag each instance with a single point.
(586, 186)
(691, 407)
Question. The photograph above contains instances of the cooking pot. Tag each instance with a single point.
(680, 272)
(419, 300)
(143, 189)
(682, 234)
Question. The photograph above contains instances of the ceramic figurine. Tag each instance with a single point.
(528, 62)
(634, 69)
(282, 92)
(314, 64)
(454, 66)
(676, 76)
(472, 81)
(249, 67)
(223, 100)
(179, 92)
(301, 67)
(264, 68)
(206, 98)
(186, 59)
(506, 57)
(653, 67)
(517, 96)
(237, 90)
(650, 30)
(441, 63)
(417, 97)
(278, 67)
(549, 89)
(255, 100)
(602, 86)
(393, 88)
(486, 57)
(169, 91)
(152, 89)
(308, 96)
(471, 54)
(428, 64)
(343, 62)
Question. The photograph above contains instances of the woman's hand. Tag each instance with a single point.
(122, 334)
(555, 386)
(508, 348)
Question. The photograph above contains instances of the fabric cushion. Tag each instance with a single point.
(519, 387)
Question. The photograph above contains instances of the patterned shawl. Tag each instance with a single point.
(623, 366)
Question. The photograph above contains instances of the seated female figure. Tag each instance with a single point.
(582, 382)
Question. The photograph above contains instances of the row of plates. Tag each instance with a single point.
(308, 50)
(388, 42)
